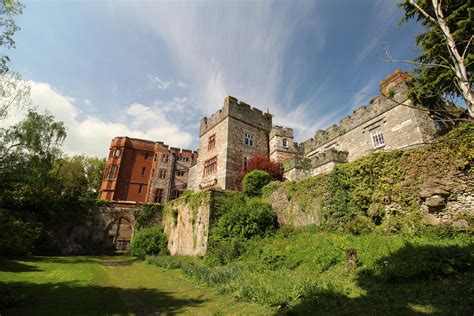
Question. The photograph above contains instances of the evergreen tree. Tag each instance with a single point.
(445, 67)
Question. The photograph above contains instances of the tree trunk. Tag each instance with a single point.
(458, 60)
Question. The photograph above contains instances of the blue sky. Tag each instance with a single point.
(153, 69)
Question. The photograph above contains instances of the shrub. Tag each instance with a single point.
(359, 225)
(254, 218)
(254, 182)
(17, 236)
(149, 241)
(225, 251)
(274, 169)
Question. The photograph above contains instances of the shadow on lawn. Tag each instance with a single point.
(74, 298)
(413, 280)
(7, 265)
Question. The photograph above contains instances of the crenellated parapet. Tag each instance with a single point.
(331, 155)
(239, 110)
(361, 115)
(284, 132)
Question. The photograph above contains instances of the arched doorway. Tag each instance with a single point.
(119, 234)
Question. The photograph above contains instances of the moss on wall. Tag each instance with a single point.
(383, 187)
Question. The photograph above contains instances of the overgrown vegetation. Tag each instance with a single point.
(306, 270)
(147, 215)
(48, 199)
(380, 191)
(254, 181)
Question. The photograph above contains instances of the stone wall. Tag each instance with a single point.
(401, 127)
(291, 212)
(186, 223)
(228, 126)
(279, 152)
(448, 200)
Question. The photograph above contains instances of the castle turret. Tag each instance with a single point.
(282, 145)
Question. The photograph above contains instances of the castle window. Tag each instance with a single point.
(178, 193)
(210, 166)
(146, 155)
(152, 172)
(164, 159)
(140, 189)
(112, 172)
(285, 142)
(248, 139)
(154, 158)
(143, 171)
(158, 195)
(180, 173)
(162, 173)
(212, 142)
(246, 162)
(117, 153)
(377, 139)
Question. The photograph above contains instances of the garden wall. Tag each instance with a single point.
(186, 223)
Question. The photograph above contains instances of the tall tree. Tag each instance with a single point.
(445, 67)
(8, 27)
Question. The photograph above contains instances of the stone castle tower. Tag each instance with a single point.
(227, 141)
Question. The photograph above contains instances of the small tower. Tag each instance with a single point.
(282, 145)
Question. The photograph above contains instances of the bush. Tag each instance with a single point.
(254, 182)
(149, 241)
(225, 251)
(359, 225)
(17, 237)
(254, 218)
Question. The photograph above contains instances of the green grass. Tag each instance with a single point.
(106, 285)
(306, 271)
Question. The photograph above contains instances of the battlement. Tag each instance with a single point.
(361, 115)
(331, 155)
(160, 146)
(280, 131)
(239, 110)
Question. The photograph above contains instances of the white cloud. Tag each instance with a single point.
(226, 48)
(92, 135)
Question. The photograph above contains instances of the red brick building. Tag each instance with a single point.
(145, 171)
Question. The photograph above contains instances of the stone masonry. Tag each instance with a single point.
(229, 138)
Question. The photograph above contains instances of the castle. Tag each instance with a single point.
(145, 171)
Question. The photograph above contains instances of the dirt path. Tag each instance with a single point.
(109, 285)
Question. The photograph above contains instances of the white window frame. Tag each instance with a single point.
(378, 140)
(249, 139)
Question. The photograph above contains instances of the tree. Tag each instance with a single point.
(8, 10)
(274, 169)
(445, 67)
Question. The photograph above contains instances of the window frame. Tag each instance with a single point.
(210, 166)
(211, 142)
(378, 141)
(250, 137)
(162, 174)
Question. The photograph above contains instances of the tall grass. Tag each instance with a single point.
(309, 266)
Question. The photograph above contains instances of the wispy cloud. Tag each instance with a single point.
(227, 48)
(164, 84)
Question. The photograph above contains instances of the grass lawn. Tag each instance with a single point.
(106, 285)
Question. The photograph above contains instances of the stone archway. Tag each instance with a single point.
(119, 234)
